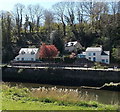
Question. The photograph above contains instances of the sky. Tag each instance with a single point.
(8, 5)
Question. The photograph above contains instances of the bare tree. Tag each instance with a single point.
(38, 14)
(80, 12)
(49, 20)
(19, 16)
(88, 10)
(31, 13)
(70, 13)
(114, 8)
(59, 9)
(35, 13)
(26, 24)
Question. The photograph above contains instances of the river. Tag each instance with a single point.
(102, 96)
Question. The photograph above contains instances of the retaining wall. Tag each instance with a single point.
(57, 76)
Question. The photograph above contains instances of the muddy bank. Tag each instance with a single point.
(111, 87)
(57, 76)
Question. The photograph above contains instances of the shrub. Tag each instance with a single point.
(69, 60)
(98, 66)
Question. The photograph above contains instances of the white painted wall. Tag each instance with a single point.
(105, 58)
(97, 56)
(26, 57)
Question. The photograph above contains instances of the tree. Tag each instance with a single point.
(116, 54)
(48, 51)
(49, 20)
(35, 13)
(59, 9)
(26, 24)
(80, 12)
(7, 29)
(70, 13)
(38, 14)
(19, 16)
(56, 39)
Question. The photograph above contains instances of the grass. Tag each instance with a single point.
(19, 98)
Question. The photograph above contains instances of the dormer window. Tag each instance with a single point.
(66, 45)
(22, 52)
(32, 52)
(72, 44)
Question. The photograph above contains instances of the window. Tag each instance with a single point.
(94, 54)
(32, 52)
(72, 44)
(106, 60)
(18, 59)
(103, 60)
(89, 54)
(22, 52)
(94, 59)
(66, 45)
(22, 59)
(89, 58)
(32, 59)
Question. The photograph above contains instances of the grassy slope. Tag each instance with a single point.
(20, 99)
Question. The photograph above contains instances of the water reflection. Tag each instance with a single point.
(102, 96)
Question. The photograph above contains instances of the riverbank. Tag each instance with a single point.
(19, 98)
(60, 76)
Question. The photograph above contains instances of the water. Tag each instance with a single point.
(102, 96)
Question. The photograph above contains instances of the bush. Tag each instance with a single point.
(54, 60)
(116, 55)
(69, 60)
(98, 66)
(47, 100)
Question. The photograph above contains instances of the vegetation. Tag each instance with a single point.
(19, 98)
(91, 23)
(99, 66)
(48, 51)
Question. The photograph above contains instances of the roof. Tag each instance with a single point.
(71, 44)
(84, 53)
(28, 50)
(105, 53)
(94, 49)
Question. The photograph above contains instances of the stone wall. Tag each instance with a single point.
(58, 76)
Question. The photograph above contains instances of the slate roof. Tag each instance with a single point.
(28, 50)
(105, 53)
(94, 49)
(71, 44)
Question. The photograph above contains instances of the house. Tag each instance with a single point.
(96, 54)
(72, 46)
(27, 54)
(82, 55)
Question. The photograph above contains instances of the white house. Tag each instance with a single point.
(27, 54)
(97, 54)
(72, 46)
